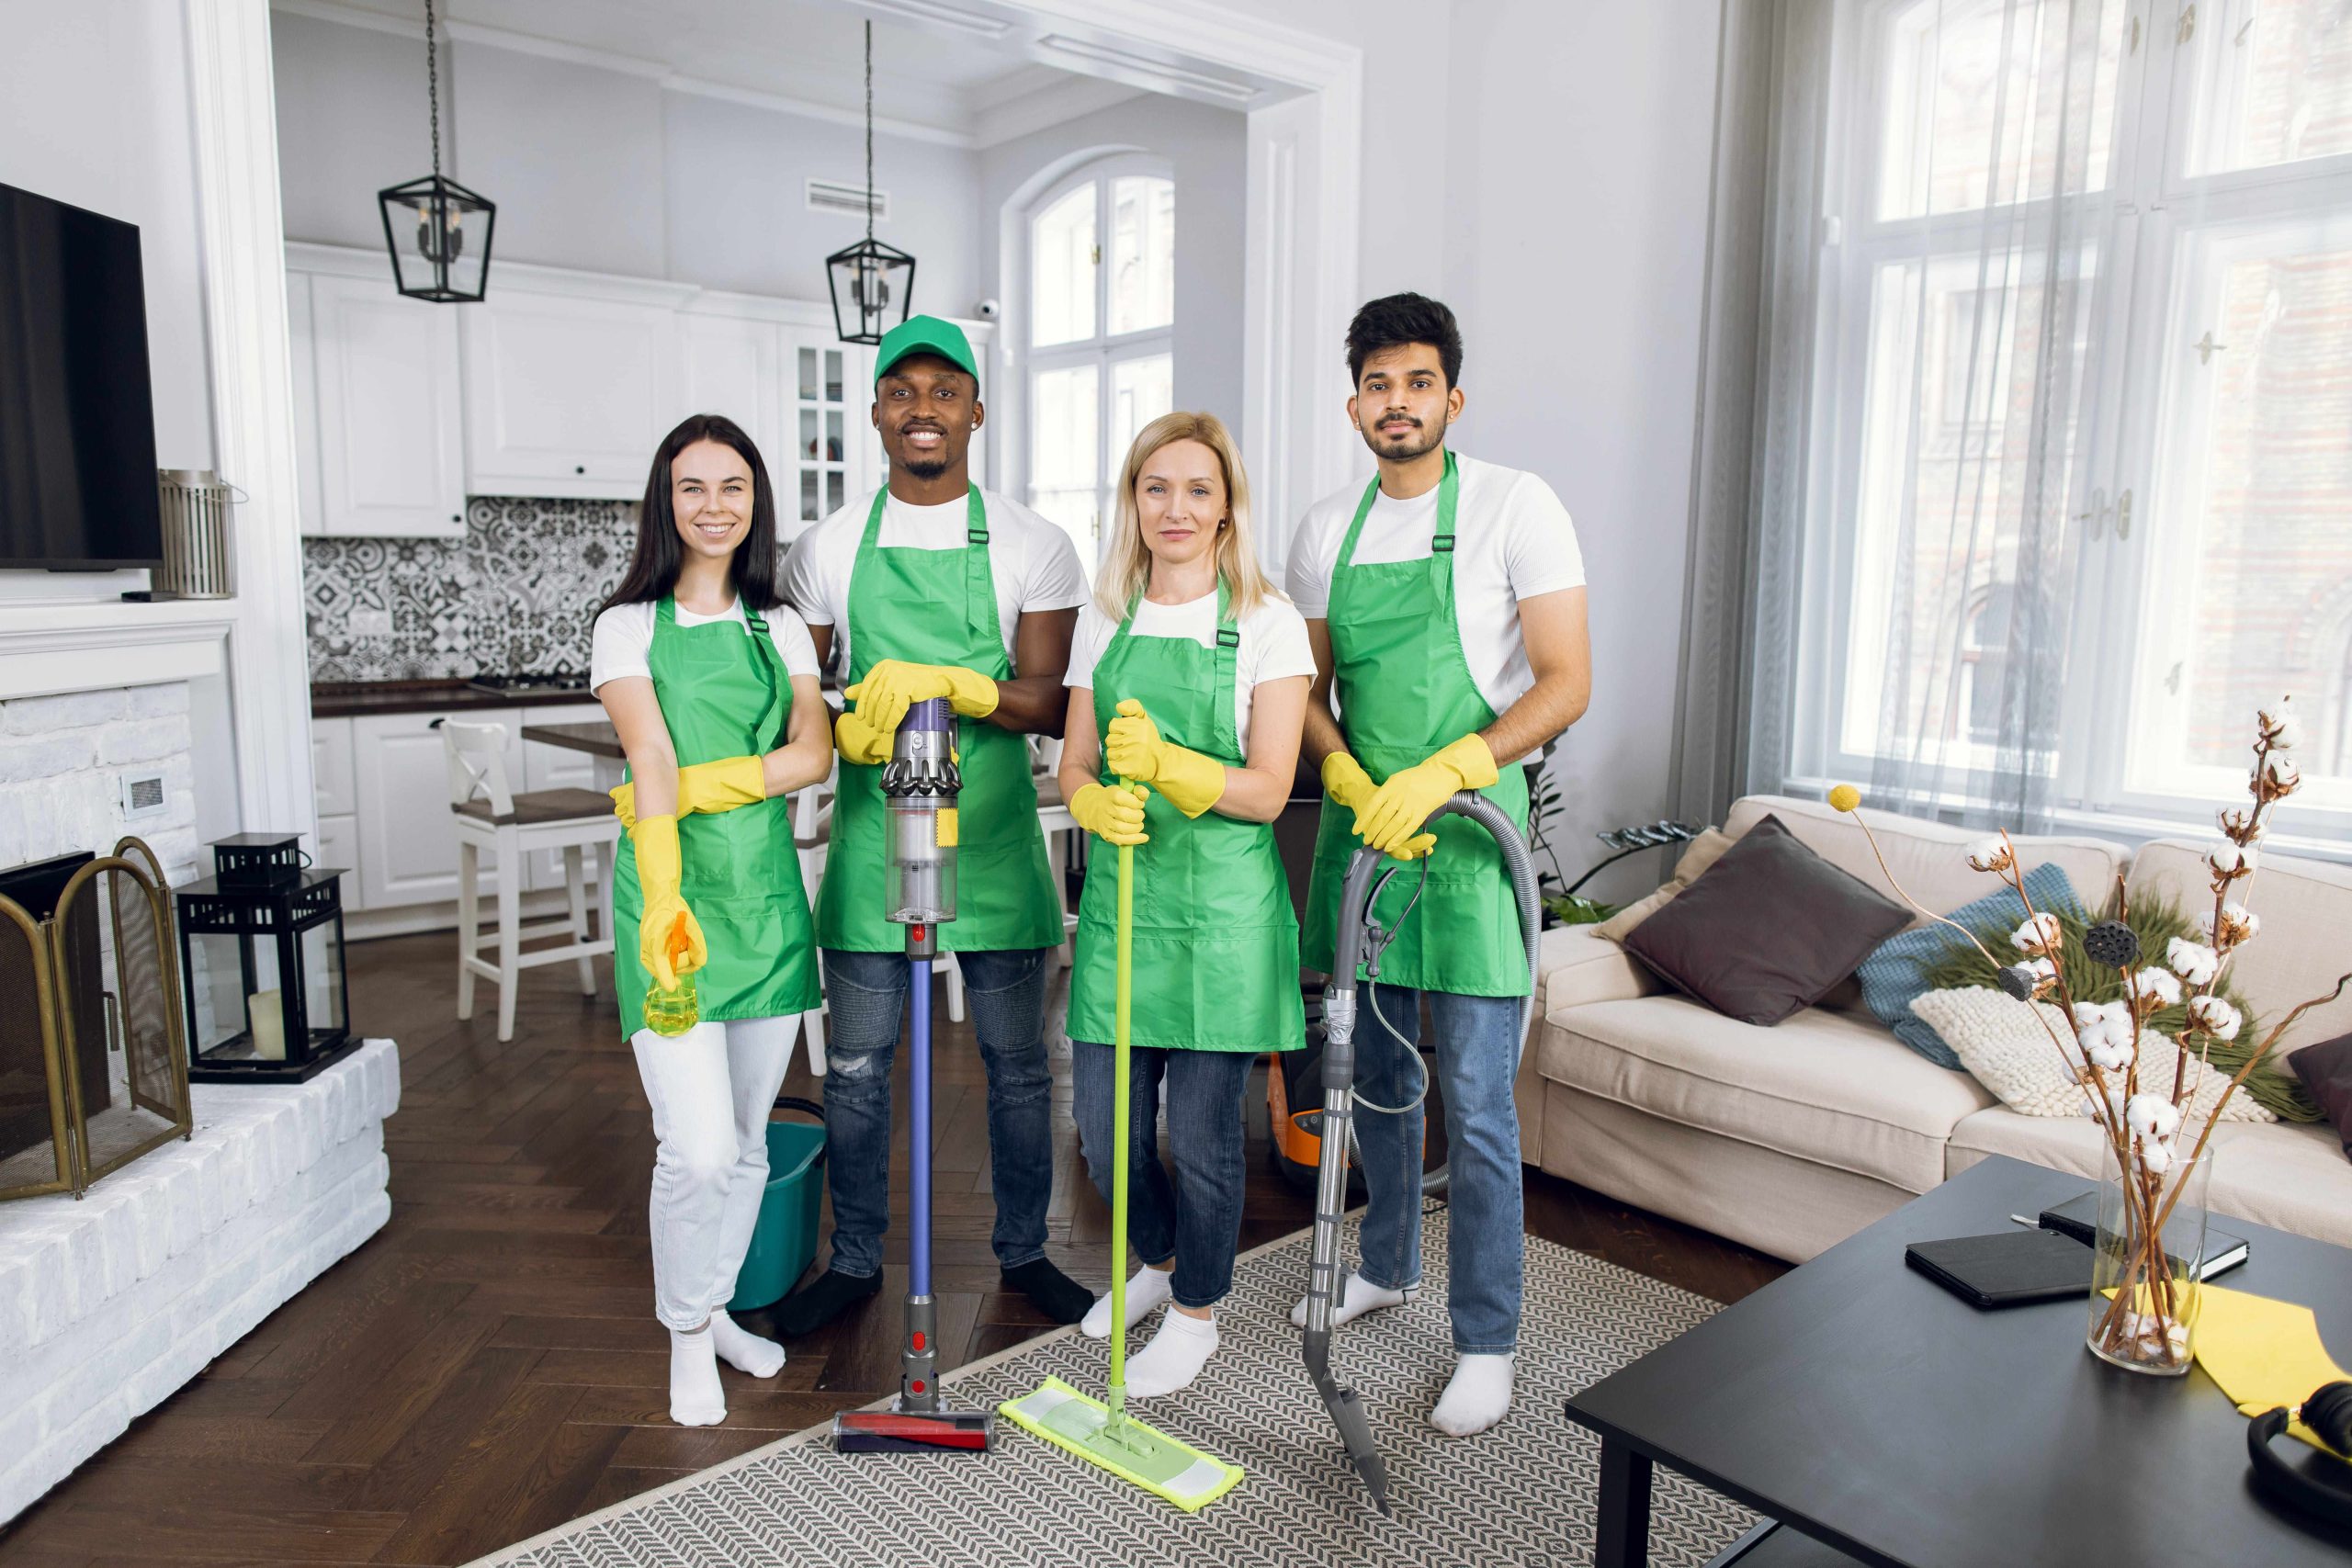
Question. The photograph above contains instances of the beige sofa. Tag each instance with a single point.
(1792, 1138)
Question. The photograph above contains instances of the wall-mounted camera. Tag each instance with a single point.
(989, 309)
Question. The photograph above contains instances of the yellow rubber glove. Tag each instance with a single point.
(1397, 808)
(706, 787)
(656, 839)
(1345, 780)
(1192, 781)
(892, 685)
(1110, 814)
(859, 742)
(1349, 785)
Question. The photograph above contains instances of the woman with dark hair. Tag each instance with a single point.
(711, 681)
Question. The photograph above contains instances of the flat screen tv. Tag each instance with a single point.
(77, 418)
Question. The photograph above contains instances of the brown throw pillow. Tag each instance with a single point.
(2326, 1070)
(1769, 930)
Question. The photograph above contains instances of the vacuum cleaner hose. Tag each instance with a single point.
(1520, 863)
(1358, 889)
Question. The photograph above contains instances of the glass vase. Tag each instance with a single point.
(2145, 1258)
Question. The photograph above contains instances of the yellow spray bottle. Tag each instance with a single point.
(671, 1012)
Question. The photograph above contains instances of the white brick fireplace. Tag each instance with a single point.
(110, 1302)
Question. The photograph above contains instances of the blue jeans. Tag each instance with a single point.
(1478, 1062)
(864, 994)
(1196, 1219)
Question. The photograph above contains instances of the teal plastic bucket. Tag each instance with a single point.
(785, 1241)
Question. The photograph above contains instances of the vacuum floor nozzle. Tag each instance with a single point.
(904, 1432)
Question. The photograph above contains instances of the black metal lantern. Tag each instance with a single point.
(866, 279)
(262, 965)
(438, 230)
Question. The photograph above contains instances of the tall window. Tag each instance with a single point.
(1100, 357)
(2086, 321)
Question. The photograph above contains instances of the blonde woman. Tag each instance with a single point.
(1189, 675)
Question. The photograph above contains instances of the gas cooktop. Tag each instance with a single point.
(558, 682)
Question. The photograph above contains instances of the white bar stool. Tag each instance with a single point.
(489, 815)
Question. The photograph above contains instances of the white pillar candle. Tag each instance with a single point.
(265, 1017)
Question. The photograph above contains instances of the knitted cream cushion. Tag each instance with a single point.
(2006, 1050)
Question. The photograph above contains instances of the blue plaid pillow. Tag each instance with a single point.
(1897, 971)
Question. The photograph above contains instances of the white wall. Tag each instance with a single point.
(1543, 166)
(94, 110)
(1207, 149)
(603, 170)
(1578, 166)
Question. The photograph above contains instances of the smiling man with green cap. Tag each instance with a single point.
(935, 588)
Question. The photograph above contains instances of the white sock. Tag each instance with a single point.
(744, 1350)
(1174, 1357)
(1359, 1297)
(1477, 1396)
(1146, 1291)
(695, 1398)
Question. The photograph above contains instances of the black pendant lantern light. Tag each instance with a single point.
(437, 230)
(869, 278)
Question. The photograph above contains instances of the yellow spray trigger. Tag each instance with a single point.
(946, 834)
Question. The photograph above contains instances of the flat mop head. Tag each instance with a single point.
(913, 1432)
(1131, 1451)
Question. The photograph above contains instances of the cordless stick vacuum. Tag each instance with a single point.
(1364, 881)
(919, 788)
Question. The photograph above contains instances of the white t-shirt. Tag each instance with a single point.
(1512, 541)
(1273, 644)
(624, 636)
(1033, 562)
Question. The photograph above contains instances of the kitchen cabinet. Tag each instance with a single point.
(565, 394)
(831, 451)
(731, 366)
(331, 767)
(407, 844)
(379, 428)
(389, 424)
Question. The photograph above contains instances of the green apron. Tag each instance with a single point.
(1216, 950)
(1404, 690)
(939, 607)
(724, 695)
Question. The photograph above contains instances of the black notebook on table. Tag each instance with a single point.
(2078, 1217)
(2007, 1268)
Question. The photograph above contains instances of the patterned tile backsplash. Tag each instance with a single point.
(518, 594)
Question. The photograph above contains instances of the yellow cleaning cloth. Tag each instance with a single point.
(2262, 1353)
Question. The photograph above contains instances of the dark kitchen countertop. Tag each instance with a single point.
(346, 699)
(597, 738)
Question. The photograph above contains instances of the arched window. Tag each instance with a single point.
(1099, 344)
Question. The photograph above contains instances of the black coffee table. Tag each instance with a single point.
(1879, 1419)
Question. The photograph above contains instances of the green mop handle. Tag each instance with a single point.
(1120, 1113)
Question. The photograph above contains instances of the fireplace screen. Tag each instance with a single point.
(93, 1072)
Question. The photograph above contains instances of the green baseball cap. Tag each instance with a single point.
(925, 334)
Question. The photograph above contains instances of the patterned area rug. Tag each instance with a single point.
(1520, 1493)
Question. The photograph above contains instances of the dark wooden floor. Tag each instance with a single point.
(488, 1366)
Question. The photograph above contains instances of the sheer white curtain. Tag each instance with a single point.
(2025, 456)
(1979, 215)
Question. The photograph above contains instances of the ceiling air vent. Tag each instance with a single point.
(832, 196)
